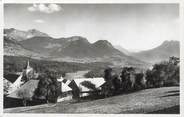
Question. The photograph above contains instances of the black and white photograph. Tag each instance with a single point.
(81, 58)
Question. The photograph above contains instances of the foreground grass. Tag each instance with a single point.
(157, 100)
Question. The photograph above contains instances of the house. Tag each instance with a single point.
(12, 82)
(87, 85)
(66, 93)
(23, 96)
(26, 91)
(69, 88)
(83, 86)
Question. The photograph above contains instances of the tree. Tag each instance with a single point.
(48, 88)
(127, 78)
(89, 85)
(165, 73)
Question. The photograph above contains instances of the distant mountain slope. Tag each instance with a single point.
(122, 49)
(75, 46)
(14, 48)
(160, 53)
(19, 35)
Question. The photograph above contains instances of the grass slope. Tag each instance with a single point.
(158, 100)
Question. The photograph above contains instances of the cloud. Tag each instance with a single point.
(45, 8)
(39, 21)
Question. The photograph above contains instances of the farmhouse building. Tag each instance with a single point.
(83, 86)
(12, 82)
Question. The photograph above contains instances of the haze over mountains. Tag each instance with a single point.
(160, 53)
(78, 49)
(122, 49)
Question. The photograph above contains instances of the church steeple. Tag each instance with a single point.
(28, 71)
(28, 66)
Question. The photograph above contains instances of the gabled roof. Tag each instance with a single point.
(65, 88)
(28, 88)
(11, 77)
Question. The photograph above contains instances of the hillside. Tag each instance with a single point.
(160, 53)
(14, 48)
(122, 50)
(158, 100)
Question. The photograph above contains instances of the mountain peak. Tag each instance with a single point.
(34, 32)
(103, 42)
(77, 38)
(170, 42)
(20, 35)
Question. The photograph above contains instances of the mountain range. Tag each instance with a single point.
(73, 49)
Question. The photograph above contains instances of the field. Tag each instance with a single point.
(157, 100)
(76, 75)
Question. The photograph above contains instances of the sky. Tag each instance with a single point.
(133, 26)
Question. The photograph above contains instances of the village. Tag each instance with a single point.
(16, 85)
(26, 88)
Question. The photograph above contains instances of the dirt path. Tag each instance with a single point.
(158, 100)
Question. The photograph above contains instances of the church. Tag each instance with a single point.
(14, 81)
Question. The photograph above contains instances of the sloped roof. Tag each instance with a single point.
(11, 77)
(65, 88)
(26, 90)
(96, 81)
